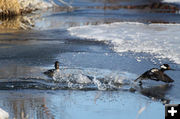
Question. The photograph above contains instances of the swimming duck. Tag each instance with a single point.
(156, 74)
(51, 72)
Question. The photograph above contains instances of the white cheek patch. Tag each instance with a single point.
(154, 70)
(163, 67)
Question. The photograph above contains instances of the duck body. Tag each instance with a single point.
(156, 74)
(51, 72)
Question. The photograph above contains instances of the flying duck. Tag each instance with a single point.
(156, 74)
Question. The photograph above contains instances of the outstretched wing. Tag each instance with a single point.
(155, 74)
(144, 76)
(150, 74)
(166, 78)
(162, 77)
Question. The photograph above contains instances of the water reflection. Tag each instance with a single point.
(26, 106)
(157, 92)
(39, 104)
(68, 104)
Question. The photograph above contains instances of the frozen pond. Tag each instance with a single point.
(102, 47)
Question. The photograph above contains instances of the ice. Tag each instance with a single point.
(40, 4)
(172, 1)
(34, 4)
(160, 40)
(3, 114)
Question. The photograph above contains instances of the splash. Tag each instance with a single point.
(78, 79)
(71, 78)
(93, 79)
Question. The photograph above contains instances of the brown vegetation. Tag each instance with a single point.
(9, 8)
(153, 7)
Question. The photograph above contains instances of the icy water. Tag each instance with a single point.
(102, 47)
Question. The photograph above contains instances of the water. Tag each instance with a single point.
(101, 48)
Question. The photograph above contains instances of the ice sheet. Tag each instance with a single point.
(160, 40)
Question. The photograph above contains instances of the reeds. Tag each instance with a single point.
(9, 8)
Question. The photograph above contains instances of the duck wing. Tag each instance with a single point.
(150, 74)
(166, 78)
(141, 77)
(155, 74)
(160, 76)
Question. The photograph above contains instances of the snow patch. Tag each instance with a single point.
(159, 39)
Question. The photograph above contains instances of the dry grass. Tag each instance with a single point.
(9, 7)
(10, 24)
(16, 23)
(10, 16)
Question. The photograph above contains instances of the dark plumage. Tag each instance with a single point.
(156, 74)
(51, 72)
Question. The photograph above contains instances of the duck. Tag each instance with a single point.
(156, 74)
(51, 72)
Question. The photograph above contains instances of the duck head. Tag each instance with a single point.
(165, 67)
(56, 65)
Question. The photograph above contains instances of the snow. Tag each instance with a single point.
(160, 40)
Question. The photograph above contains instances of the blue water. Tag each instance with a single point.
(25, 54)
